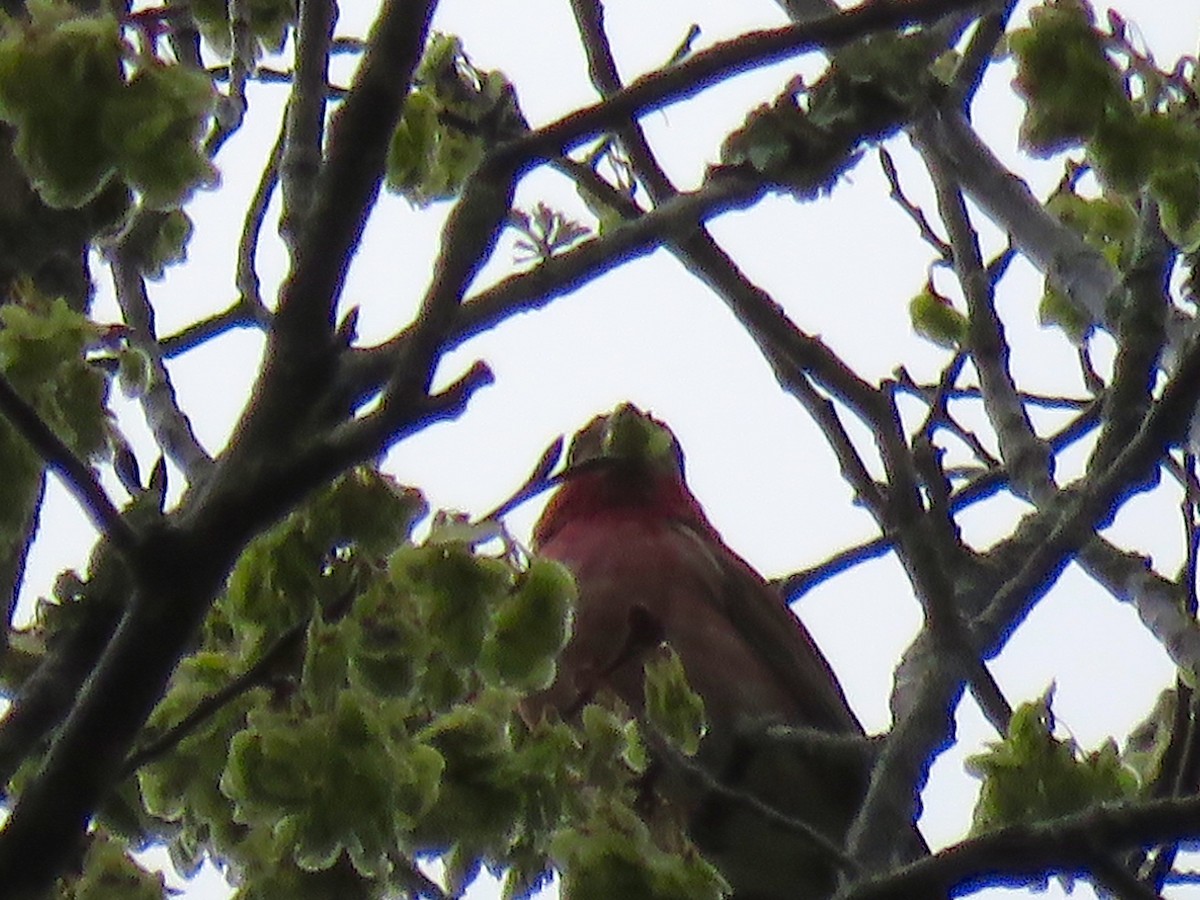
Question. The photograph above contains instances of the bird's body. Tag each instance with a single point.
(650, 567)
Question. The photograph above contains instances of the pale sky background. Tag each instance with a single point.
(844, 266)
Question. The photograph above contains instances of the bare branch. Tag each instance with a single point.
(748, 51)
(300, 159)
(927, 691)
(192, 336)
(231, 108)
(602, 66)
(793, 587)
(349, 182)
(978, 55)
(1076, 269)
(1141, 336)
(853, 470)
(911, 210)
(1071, 845)
(248, 309)
(939, 415)
(1091, 503)
(247, 277)
(539, 480)
(1026, 457)
(168, 423)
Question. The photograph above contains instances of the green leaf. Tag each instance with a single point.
(58, 75)
(458, 590)
(110, 874)
(42, 352)
(153, 130)
(133, 371)
(269, 21)
(1032, 776)
(606, 737)
(672, 707)
(613, 856)
(935, 319)
(531, 626)
(1177, 190)
(479, 803)
(1070, 85)
(453, 114)
(1107, 222)
(325, 663)
(169, 245)
(1056, 310)
(389, 645)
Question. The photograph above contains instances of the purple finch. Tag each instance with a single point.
(650, 568)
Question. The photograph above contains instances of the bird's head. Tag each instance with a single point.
(624, 460)
(629, 439)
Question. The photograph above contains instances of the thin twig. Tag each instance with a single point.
(171, 427)
(1141, 336)
(1026, 456)
(794, 587)
(939, 415)
(231, 108)
(911, 210)
(192, 336)
(1028, 853)
(978, 55)
(246, 276)
(539, 480)
(1029, 398)
(255, 675)
(853, 469)
(697, 773)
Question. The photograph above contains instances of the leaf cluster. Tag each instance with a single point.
(1138, 125)
(1032, 776)
(1108, 223)
(88, 110)
(809, 135)
(359, 697)
(452, 115)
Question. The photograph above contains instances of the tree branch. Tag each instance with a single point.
(252, 677)
(1092, 502)
(168, 423)
(1140, 336)
(748, 51)
(1026, 457)
(1071, 845)
(793, 587)
(302, 341)
(78, 479)
(304, 119)
(1076, 269)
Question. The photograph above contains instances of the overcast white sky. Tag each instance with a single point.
(844, 266)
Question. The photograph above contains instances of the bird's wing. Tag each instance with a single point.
(765, 622)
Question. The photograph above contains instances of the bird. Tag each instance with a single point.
(650, 568)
